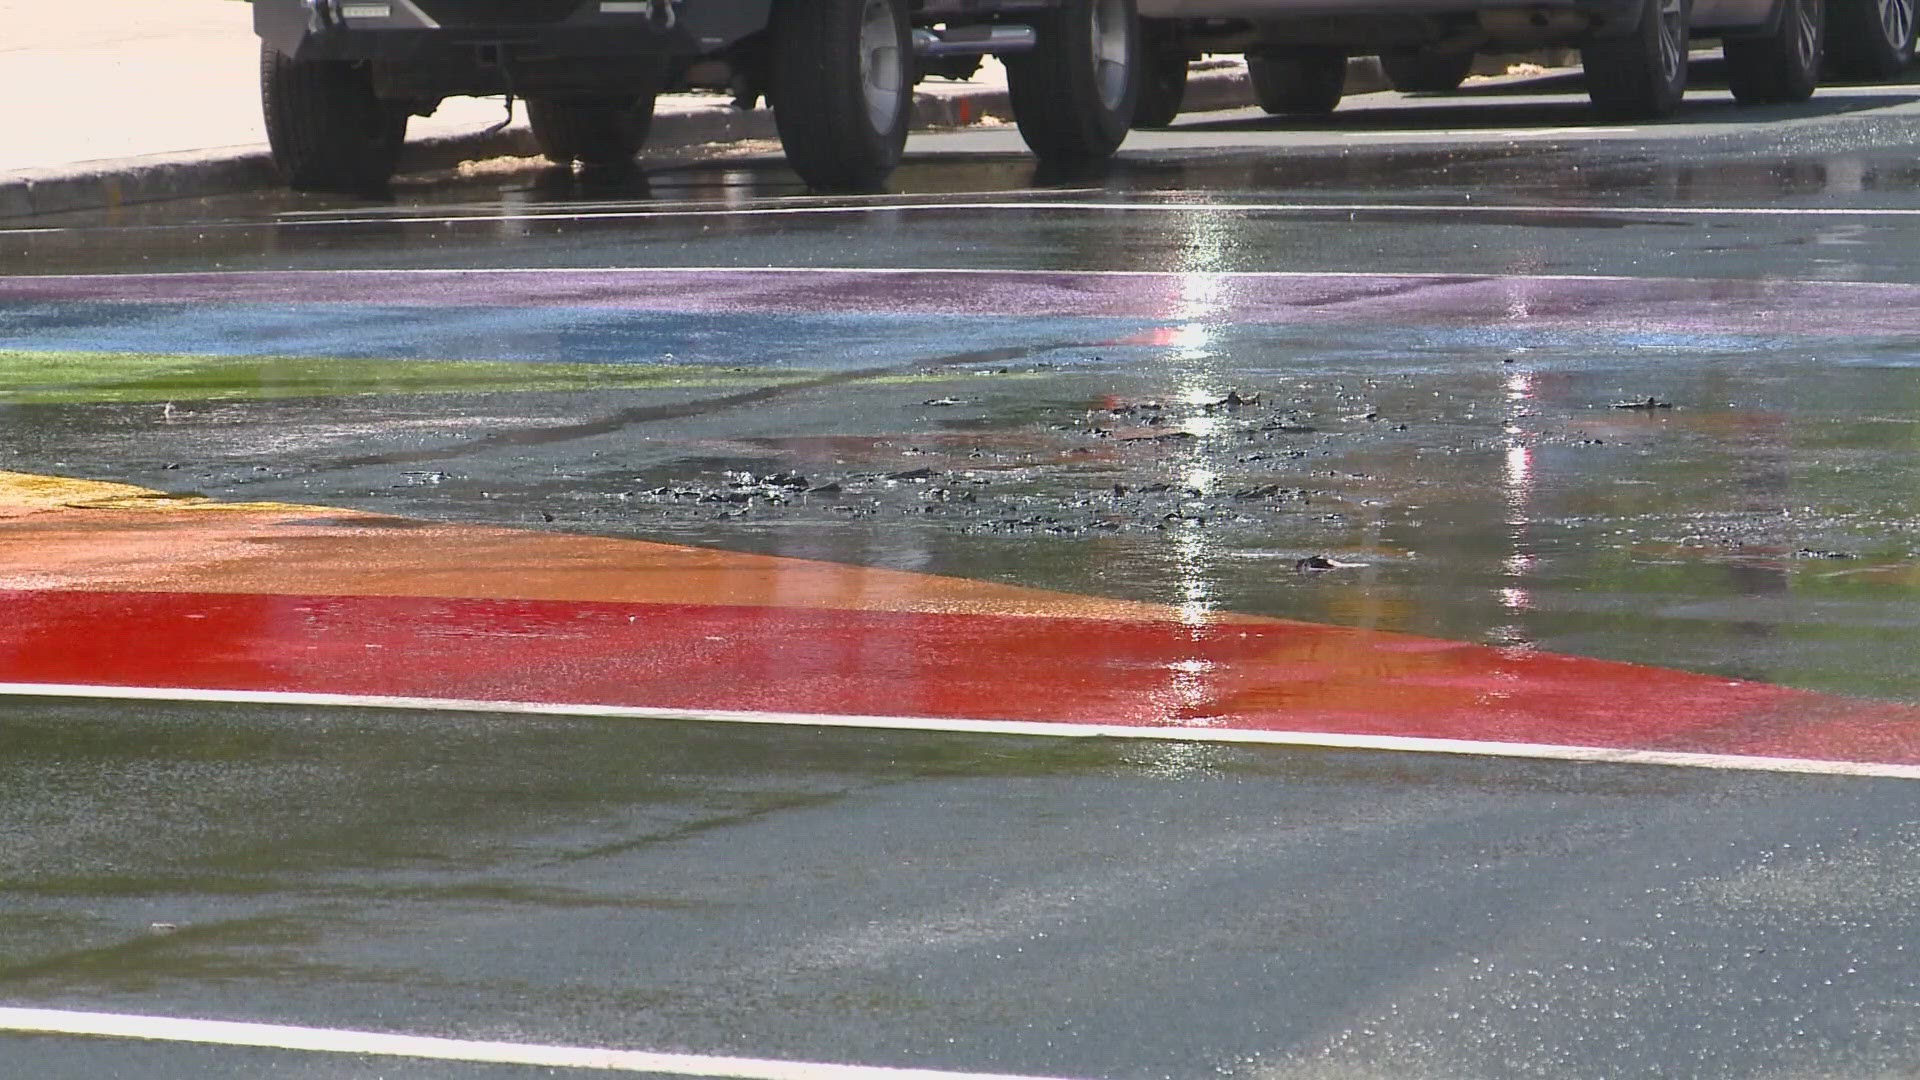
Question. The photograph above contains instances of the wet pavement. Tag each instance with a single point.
(973, 902)
(1565, 444)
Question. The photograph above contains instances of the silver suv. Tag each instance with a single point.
(1634, 51)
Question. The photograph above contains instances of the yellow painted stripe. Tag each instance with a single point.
(60, 533)
(27, 493)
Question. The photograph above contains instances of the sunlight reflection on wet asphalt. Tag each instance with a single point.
(1609, 400)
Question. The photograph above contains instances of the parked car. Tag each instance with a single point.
(1869, 39)
(1634, 51)
(339, 78)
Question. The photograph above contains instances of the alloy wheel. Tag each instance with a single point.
(882, 73)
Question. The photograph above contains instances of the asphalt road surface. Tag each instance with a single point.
(642, 623)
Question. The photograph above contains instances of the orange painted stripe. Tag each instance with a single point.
(65, 534)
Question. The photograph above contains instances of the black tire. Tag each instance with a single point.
(596, 132)
(327, 128)
(1163, 78)
(842, 89)
(1640, 75)
(1870, 39)
(1783, 65)
(1426, 72)
(1073, 94)
(1300, 82)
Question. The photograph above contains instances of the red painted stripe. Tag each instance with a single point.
(1279, 676)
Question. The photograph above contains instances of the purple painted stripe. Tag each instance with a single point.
(1647, 304)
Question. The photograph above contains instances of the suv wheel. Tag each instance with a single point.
(1641, 75)
(1301, 82)
(327, 129)
(1869, 39)
(1783, 65)
(596, 132)
(841, 89)
(1073, 95)
(1426, 72)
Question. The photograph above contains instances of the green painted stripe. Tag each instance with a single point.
(35, 377)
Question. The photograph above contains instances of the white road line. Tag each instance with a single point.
(563, 208)
(962, 271)
(1492, 133)
(1169, 207)
(339, 1041)
(1060, 730)
(1051, 207)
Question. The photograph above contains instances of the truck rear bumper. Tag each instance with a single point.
(598, 46)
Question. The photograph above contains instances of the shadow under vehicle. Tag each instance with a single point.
(340, 78)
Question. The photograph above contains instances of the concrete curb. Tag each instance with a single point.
(104, 184)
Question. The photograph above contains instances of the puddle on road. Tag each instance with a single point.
(1765, 526)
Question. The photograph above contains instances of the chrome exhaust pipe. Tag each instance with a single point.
(974, 40)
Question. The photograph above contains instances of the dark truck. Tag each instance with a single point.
(339, 78)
